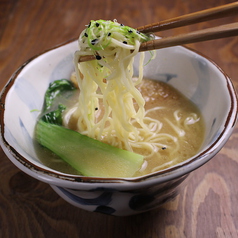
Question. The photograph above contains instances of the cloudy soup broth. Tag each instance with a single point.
(178, 117)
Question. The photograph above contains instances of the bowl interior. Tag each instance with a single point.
(195, 76)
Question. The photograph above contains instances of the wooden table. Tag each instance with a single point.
(206, 207)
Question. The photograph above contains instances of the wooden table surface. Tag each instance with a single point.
(208, 204)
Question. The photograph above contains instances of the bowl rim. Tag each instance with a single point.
(166, 174)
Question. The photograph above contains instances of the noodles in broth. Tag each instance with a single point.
(111, 106)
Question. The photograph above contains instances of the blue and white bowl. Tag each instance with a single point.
(195, 76)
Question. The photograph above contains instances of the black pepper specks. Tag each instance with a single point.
(89, 24)
(96, 108)
(98, 57)
(109, 34)
(130, 31)
(97, 24)
(163, 148)
(124, 42)
(121, 24)
(94, 41)
(85, 34)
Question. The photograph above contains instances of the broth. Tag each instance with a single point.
(176, 114)
(191, 136)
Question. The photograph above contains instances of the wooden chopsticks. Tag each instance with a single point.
(213, 33)
(192, 18)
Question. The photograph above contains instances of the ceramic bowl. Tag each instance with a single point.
(194, 75)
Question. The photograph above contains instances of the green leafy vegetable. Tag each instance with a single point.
(89, 156)
(56, 89)
(54, 117)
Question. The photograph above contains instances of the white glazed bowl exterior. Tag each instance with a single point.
(196, 77)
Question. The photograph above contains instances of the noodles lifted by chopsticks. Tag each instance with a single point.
(110, 107)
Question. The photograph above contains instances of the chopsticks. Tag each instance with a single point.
(213, 33)
(192, 18)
